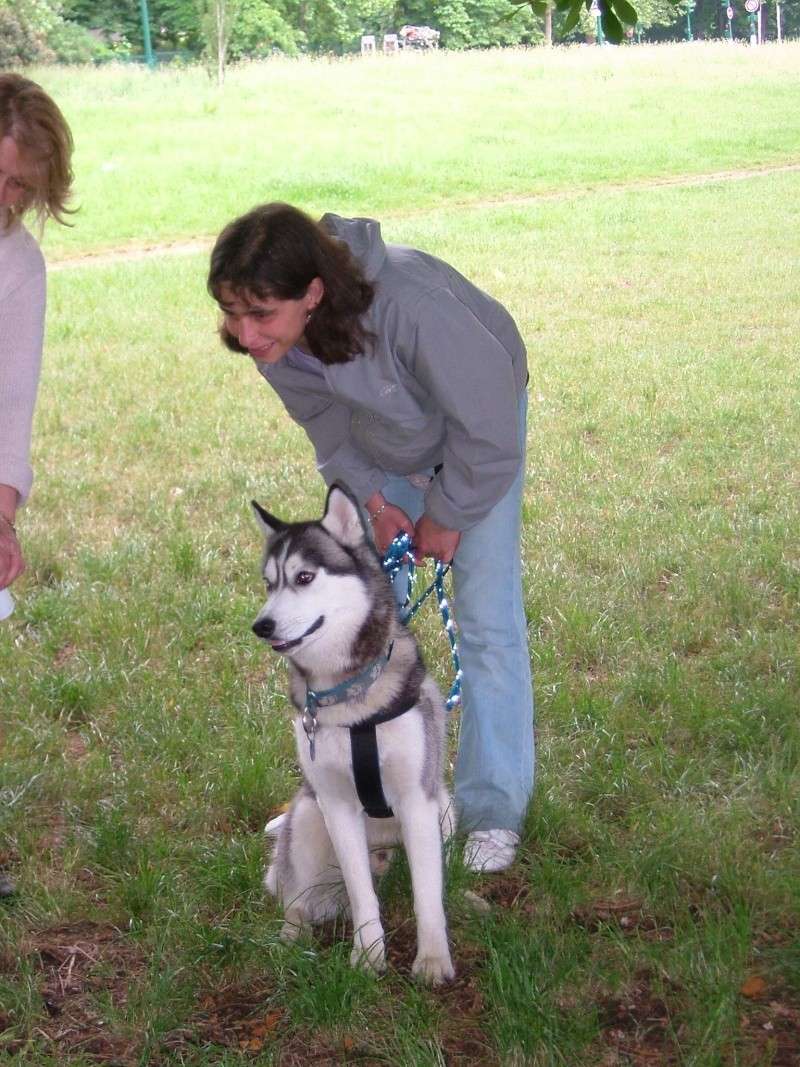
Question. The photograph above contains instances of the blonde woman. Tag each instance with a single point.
(35, 178)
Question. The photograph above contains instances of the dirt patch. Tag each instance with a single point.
(132, 253)
(777, 837)
(79, 962)
(316, 1049)
(625, 914)
(237, 1016)
(509, 890)
(769, 1022)
(64, 655)
(75, 748)
(464, 1024)
(638, 1026)
(770, 1029)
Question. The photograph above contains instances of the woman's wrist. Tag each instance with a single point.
(379, 511)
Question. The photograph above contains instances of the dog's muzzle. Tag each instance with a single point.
(265, 629)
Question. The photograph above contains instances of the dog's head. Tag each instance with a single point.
(323, 582)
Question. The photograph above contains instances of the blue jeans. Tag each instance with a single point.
(494, 770)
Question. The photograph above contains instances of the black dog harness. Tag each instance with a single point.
(366, 766)
(363, 740)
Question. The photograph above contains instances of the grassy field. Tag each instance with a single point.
(167, 155)
(653, 915)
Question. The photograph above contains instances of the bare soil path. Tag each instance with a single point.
(137, 250)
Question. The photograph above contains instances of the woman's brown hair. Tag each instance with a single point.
(275, 250)
(32, 119)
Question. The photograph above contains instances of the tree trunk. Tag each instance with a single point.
(222, 44)
(548, 26)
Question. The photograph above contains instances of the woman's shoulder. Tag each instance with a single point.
(409, 276)
(21, 259)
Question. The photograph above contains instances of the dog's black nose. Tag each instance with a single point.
(264, 628)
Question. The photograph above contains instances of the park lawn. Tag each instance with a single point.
(652, 916)
(167, 155)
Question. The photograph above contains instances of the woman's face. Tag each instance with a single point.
(16, 174)
(269, 327)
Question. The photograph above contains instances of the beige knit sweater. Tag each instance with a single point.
(22, 304)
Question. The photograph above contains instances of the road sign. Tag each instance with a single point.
(752, 6)
(729, 13)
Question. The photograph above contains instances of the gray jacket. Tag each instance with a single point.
(441, 385)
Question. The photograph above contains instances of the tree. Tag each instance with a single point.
(473, 23)
(35, 31)
(259, 30)
(613, 14)
(111, 17)
(22, 40)
(217, 18)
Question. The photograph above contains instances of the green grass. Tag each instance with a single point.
(168, 155)
(144, 731)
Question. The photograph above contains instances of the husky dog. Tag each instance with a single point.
(331, 611)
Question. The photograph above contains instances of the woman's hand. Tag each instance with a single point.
(387, 521)
(438, 542)
(11, 562)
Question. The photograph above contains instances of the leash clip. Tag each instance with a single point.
(309, 721)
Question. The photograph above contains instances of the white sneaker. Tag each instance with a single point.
(490, 850)
(273, 827)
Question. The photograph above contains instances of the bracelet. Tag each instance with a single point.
(380, 511)
(8, 522)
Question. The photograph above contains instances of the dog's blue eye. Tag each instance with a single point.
(303, 578)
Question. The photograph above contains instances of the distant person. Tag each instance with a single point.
(35, 176)
(411, 384)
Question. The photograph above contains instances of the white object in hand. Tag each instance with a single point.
(6, 604)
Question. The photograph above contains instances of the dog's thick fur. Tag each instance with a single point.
(331, 611)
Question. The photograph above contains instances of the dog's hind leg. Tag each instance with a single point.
(422, 836)
(305, 873)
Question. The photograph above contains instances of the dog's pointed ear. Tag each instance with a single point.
(342, 518)
(268, 523)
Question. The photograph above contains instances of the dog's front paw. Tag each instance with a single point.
(433, 969)
(369, 955)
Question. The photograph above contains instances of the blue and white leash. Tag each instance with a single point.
(399, 555)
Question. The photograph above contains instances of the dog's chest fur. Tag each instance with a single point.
(401, 758)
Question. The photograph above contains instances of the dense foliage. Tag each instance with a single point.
(84, 30)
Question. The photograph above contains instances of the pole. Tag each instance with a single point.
(778, 19)
(689, 9)
(598, 25)
(148, 48)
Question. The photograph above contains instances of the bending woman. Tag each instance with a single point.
(35, 175)
(410, 383)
